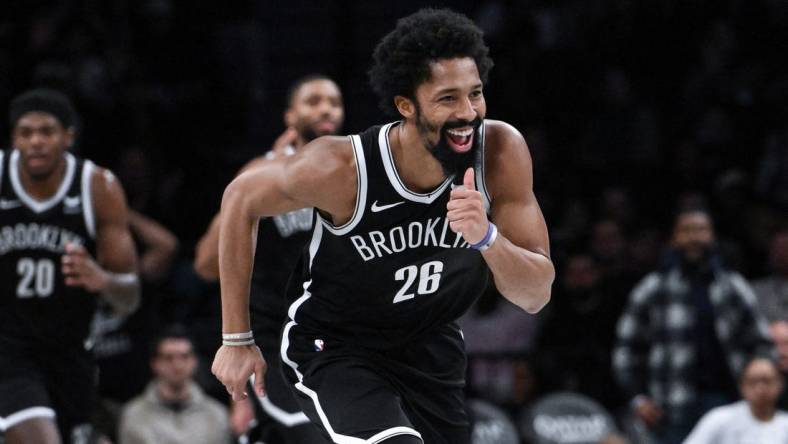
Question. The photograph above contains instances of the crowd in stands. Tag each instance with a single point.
(660, 152)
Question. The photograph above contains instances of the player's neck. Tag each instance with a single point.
(417, 167)
(45, 187)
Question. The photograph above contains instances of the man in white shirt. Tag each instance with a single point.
(754, 420)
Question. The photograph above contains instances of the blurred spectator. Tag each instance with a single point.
(498, 337)
(686, 334)
(609, 247)
(779, 334)
(173, 409)
(772, 175)
(772, 291)
(121, 346)
(755, 419)
(578, 333)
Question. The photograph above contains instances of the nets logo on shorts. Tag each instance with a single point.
(319, 345)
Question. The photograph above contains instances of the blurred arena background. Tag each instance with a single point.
(630, 109)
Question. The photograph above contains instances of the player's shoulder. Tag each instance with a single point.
(502, 135)
(325, 155)
(326, 163)
(330, 146)
(506, 155)
(103, 180)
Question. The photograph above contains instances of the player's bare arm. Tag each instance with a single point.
(112, 273)
(206, 255)
(320, 175)
(159, 245)
(520, 256)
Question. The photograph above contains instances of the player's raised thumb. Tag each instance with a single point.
(468, 180)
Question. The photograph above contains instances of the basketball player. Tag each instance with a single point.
(314, 109)
(64, 243)
(397, 254)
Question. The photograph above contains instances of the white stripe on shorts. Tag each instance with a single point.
(23, 415)
(345, 439)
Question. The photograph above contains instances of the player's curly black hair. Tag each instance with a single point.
(402, 59)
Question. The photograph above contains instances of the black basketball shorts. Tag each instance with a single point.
(354, 394)
(278, 413)
(58, 385)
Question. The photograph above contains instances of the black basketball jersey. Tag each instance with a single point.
(394, 271)
(280, 243)
(37, 309)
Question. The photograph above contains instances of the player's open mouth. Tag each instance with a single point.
(326, 126)
(36, 160)
(460, 140)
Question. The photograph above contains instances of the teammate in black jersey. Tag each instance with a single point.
(370, 346)
(57, 213)
(314, 109)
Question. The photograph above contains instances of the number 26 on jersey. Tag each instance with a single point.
(428, 277)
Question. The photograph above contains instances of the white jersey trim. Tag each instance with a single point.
(480, 170)
(314, 245)
(23, 415)
(2, 164)
(361, 192)
(393, 175)
(87, 197)
(36, 205)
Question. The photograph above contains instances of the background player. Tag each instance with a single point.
(371, 346)
(57, 213)
(314, 109)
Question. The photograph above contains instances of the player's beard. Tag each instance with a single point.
(452, 162)
(308, 134)
(310, 131)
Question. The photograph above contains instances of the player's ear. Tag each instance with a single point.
(405, 106)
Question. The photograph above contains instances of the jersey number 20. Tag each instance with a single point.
(429, 276)
(36, 278)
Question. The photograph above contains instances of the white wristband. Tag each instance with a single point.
(244, 335)
(238, 343)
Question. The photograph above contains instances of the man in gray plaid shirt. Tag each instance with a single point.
(686, 334)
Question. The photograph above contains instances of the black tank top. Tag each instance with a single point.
(37, 309)
(280, 243)
(395, 271)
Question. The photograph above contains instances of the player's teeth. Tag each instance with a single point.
(462, 133)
